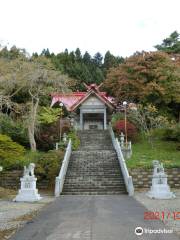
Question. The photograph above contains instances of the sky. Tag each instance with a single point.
(121, 26)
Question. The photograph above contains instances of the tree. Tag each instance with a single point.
(147, 118)
(37, 78)
(111, 61)
(97, 59)
(48, 115)
(170, 44)
(78, 55)
(45, 52)
(39, 82)
(147, 77)
(87, 58)
(13, 53)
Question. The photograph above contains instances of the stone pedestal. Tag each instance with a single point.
(28, 191)
(160, 188)
(160, 191)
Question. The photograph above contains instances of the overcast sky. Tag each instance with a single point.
(121, 26)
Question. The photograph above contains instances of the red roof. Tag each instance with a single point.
(73, 100)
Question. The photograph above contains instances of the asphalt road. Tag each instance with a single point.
(92, 218)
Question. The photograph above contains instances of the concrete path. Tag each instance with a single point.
(92, 218)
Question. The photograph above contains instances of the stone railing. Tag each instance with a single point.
(60, 179)
(127, 179)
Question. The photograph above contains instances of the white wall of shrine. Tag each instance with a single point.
(93, 101)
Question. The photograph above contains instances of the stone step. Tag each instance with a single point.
(94, 160)
(94, 164)
(90, 168)
(94, 193)
(94, 168)
(93, 185)
(93, 174)
(93, 189)
(102, 191)
(92, 179)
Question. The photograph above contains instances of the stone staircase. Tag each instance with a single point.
(94, 169)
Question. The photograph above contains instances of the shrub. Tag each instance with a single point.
(13, 129)
(11, 153)
(47, 136)
(116, 117)
(119, 127)
(75, 139)
(48, 165)
(172, 134)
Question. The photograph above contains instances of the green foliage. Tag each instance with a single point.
(13, 53)
(147, 118)
(47, 164)
(14, 129)
(172, 133)
(84, 68)
(62, 145)
(111, 61)
(170, 44)
(75, 139)
(47, 136)
(48, 115)
(35, 78)
(116, 117)
(11, 153)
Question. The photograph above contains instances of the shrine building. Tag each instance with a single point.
(90, 109)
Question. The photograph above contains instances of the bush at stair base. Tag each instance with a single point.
(48, 166)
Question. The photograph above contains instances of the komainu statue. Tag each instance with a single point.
(29, 171)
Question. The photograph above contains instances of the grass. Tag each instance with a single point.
(7, 233)
(143, 154)
(7, 193)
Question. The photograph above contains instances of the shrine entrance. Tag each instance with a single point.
(93, 121)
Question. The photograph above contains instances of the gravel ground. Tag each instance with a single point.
(15, 214)
(166, 206)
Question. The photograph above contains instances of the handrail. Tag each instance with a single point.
(127, 179)
(60, 179)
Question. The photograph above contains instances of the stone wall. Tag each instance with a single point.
(142, 177)
(11, 179)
